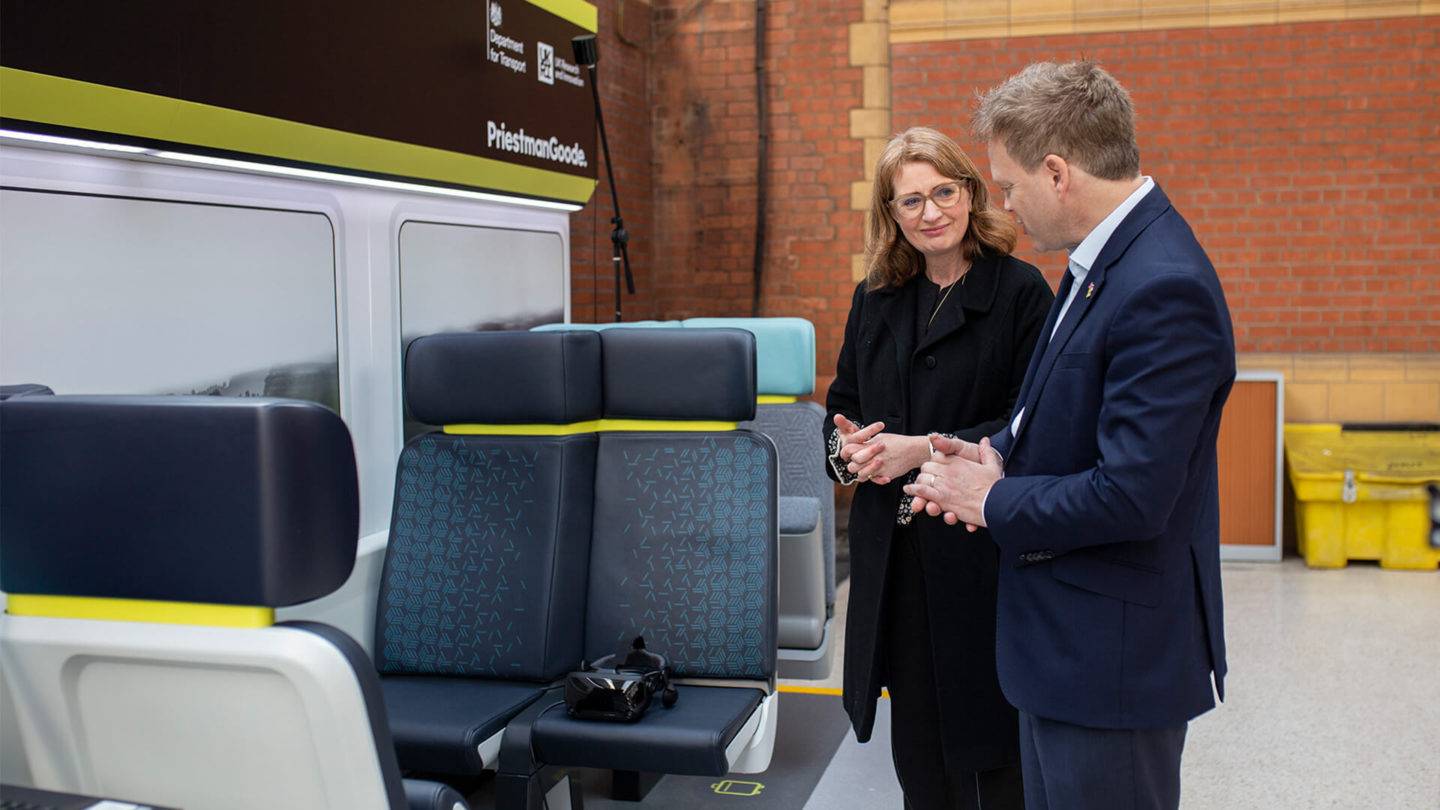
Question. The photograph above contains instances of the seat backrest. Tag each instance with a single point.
(147, 543)
(784, 371)
(684, 548)
(485, 569)
(785, 361)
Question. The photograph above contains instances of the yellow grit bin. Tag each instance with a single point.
(1364, 495)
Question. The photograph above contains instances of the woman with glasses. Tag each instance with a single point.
(938, 340)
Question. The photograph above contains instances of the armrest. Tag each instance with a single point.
(421, 794)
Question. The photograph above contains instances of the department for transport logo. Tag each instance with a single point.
(545, 63)
(496, 15)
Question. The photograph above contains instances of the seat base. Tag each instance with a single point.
(441, 725)
(692, 738)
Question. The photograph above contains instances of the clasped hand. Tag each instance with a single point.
(875, 456)
(954, 482)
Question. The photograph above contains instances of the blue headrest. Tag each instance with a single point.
(504, 377)
(784, 351)
(184, 499)
(601, 327)
(698, 374)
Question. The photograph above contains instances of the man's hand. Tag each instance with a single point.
(955, 485)
(948, 446)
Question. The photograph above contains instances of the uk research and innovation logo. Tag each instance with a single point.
(545, 63)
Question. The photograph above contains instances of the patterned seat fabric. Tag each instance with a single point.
(485, 572)
(684, 551)
(481, 573)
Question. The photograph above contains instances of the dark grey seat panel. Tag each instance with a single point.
(678, 373)
(503, 377)
(685, 551)
(796, 430)
(687, 739)
(438, 722)
(486, 567)
(230, 501)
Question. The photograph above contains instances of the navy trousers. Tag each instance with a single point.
(1070, 767)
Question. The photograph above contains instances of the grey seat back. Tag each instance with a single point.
(795, 428)
(147, 543)
(684, 548)
(486, 565)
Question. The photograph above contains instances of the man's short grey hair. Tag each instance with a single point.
(1075, 110)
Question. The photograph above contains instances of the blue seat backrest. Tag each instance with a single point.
(784, 351)
(684, 548)
(784, 347)
(485, 572)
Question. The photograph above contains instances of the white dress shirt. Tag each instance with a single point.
(1082, 258)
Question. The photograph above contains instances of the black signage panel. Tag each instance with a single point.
(459, 92)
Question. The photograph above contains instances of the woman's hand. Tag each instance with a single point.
(879, 457)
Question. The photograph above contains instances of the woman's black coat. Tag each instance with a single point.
(963, 378)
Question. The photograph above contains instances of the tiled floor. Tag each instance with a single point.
(1333, 698)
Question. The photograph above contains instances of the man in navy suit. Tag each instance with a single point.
(1102, 491)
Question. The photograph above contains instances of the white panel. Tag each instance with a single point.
(138, 719)
(109, 295)
(229, 719)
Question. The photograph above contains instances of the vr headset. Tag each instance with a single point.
(620, 692)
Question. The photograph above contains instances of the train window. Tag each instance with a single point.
(116, 295)
(463, 278)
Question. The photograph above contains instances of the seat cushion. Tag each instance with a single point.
(798, 515)
(438, 722)
(688, 739)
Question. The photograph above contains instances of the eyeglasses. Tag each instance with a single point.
(910, 206)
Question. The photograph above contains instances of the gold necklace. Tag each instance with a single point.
(941, 302)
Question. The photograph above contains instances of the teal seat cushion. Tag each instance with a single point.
(784, 351)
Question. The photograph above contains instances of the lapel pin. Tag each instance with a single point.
(1090, 290)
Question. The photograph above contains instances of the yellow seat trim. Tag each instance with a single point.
(592, 426)
(139, 610)
(775, 399)
(570, 429)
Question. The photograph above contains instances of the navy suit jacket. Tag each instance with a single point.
(1108, 518)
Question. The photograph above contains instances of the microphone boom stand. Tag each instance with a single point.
(588, 55)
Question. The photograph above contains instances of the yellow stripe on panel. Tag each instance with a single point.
(775, 399)
(70, 103)
(818, 690)
(623, 425)
(579, 12)
(139, 610)
(524, 430)
(593, 426)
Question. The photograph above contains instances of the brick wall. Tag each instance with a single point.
(625, 69)
(704, 129)
(677, 81)
(1306, 157)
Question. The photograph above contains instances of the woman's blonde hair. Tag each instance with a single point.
(890, 260)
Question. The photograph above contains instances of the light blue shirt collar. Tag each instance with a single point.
(1083, 257)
